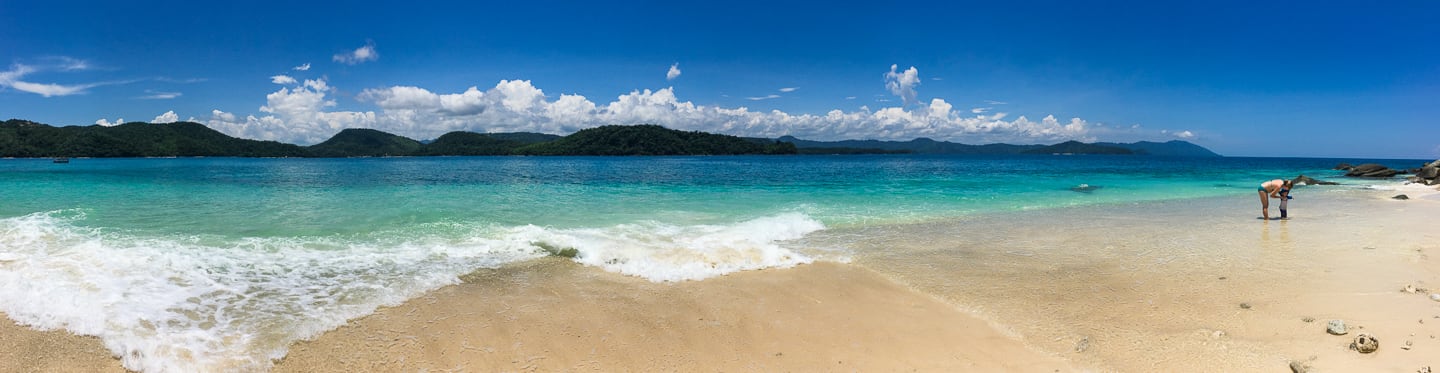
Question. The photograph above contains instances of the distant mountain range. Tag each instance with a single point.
(21, 138)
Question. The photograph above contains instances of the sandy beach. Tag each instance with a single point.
(1166, 286)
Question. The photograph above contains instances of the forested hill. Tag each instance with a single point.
(26, 139)
(928, 146)
(21, 138)
(649, 139)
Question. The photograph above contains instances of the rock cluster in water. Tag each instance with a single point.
(1428, 174)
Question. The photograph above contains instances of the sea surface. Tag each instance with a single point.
(206, 264)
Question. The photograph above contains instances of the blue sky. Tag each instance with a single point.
(1289, 79)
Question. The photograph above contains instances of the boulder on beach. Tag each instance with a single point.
(1401, 197)
(1306, 180)
(1343, 167)
(1365, 343)
(1371, 170)
(1428, 172)
(1428, 175)
(1336, 327)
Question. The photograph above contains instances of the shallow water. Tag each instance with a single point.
(219, 264)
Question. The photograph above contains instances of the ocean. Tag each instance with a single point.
(203, 264)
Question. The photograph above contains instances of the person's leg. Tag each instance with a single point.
(1265, 205)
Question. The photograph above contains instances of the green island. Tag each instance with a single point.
(27, 139)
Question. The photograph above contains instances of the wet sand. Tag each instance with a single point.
(554, 315)
(1171, 286)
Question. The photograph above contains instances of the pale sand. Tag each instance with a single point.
(555, 315)
(1152, 287)
(23, 349)
(1153, 296)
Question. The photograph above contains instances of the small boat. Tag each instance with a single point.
(61, 160)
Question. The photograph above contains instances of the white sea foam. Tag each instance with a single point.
(663, 252)
(184, 304)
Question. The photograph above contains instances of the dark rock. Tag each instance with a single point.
(1428, 172)
(1371, 170)
(1299, 367)
(1245, 305)
(1344, 167)
(1401, 197)
(1365, 343)
(1306, 180)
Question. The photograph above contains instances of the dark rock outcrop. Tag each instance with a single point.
(1343, 167)
(1371, 170)
(1303, 180)
(1428, 175)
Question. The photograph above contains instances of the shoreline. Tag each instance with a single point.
(1010, 296)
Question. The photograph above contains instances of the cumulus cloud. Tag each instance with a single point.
(1185, 134)
(168, 117)
(359, 55)
(789, 89)
(902, 83)
(305, 67)
(674, 72)
(107, 123)
(306, 113)
(297, 115)
(282, 80)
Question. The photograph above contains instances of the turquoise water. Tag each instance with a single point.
(219, 264)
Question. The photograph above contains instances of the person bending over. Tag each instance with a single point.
(1271, 189)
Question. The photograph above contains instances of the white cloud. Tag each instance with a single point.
(359, 55)
(156, 95)
(674, 72)
(992, 102)
(52, 90)
(107, 123)
(295, 115)
(902, 83)
(282, 80)
(307, 114)
(849, 97)
(1185, 134)
(980, 110)
(305, 67)
(765, 97)
(72, 64)
(168, 117)
(11, 78)
(789, 89)
(181, 81)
